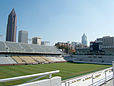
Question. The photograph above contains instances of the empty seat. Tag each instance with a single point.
(61, 59)
(36, 48)
(2, 47)
(48, 60)
(7, 60)
(53, 59)
(18, 59)
(28, 59)
(14, 47)
(27, 48)
(39, 59)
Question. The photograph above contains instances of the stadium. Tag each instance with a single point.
(25, 63)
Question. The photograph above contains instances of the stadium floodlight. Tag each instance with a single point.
(29, 76)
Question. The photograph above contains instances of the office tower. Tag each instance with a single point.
(107, 41)
(11, 27)
(84, 40)
(36, 40)
(23, 36)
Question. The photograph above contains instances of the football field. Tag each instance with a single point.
(67, 70)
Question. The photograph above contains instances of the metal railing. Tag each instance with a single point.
(101, 81)
(39, 75)
(93, 81)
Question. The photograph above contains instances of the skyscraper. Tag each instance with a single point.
(36, 40)
(84, 40)
(11, 27)
(23, 36)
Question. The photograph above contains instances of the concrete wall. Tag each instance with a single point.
(55, 81)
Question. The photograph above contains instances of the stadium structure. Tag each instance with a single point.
(86, 55)
(23, 55)
(12, 53)
(95, 59)
(100, 51)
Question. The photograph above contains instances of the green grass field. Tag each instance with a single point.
(67, 70)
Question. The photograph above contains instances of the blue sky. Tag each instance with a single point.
(60, 20)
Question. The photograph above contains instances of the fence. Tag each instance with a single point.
(93, 79)
(40, 75)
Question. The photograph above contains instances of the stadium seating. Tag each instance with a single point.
(7, 60)
(42, 59)
(39, 59)
(28, 59)
(14, 47)
(18, 59)
(48, 60)
(22, 53)
(68, 58)
(61, 59)
(26, 47)
(54, 49)
(36, 48)
(51, 58)
(99, 59)
(54, 59)
(2, 46)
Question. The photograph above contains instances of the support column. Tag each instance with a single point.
(105, 77)
(92, 79)
(113, 71)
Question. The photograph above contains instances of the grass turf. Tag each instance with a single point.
(67, 70)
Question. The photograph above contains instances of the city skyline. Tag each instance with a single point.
(58, 20)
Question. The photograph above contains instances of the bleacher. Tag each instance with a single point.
(97, 59)
(12, 47)
(48, 60)
(36, 48)
(56, 59)
(3, 48)
(26, 47)
(39, 59)
(61, 59)
(21, 53)
(28, 60)
(7, 60)
(18, 59)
